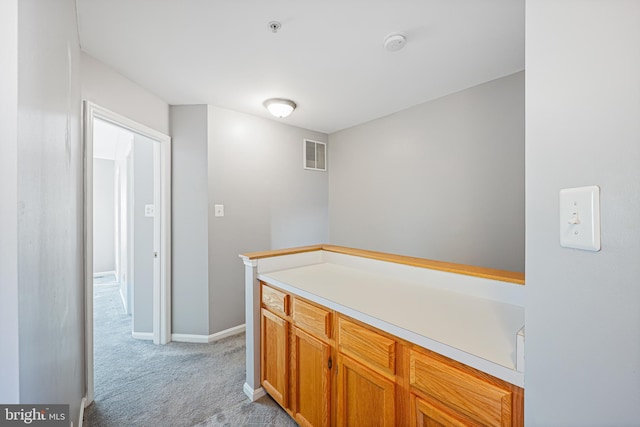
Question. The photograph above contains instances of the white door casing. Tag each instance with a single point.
(162, 229)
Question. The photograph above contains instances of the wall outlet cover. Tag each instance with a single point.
(149, 210)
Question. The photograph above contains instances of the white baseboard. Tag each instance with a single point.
(206, 339)
(201, 339)
(253, 394)
(227, 333)
(148, 336)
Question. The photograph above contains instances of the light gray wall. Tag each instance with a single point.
(270, 201)
(142, 234)
(190, 294)
(9, 327)
(583, 128)
(104, 216)
(104, 86)
(50, 200)
(442, 180)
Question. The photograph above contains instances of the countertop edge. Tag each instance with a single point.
(469, 270)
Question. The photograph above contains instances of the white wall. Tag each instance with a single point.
(583, 128)
(50, 200)
(9, 328)
(442, 180)
(190, 293)
(142, 234)
(104, 232)
(270, 201)
(253, 167)
(109, 89)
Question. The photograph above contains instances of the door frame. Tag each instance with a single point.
(162, 232)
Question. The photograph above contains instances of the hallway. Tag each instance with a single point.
(179, 384)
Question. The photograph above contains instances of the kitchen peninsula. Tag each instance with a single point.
(416, 340)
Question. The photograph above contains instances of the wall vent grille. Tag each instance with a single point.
(315, 155)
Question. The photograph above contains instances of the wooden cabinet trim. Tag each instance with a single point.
(469, 270)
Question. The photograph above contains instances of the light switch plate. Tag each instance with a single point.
(218, 210)
(580, 218)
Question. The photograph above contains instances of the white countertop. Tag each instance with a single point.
(476, 331)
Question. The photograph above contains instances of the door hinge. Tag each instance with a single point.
(330, 363)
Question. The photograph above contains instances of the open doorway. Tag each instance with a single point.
(127, 231)
(114, 206)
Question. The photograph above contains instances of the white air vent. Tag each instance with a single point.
(315, 155)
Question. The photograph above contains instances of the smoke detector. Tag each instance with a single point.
(394, 42)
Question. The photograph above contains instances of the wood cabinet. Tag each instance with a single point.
(274, 357)
(366, 371)
(365, 398)
(311, 373)
(460, 393)
(325, 368)
(296, 356)
(431, 414)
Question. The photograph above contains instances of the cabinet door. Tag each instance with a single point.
(427, 414)
(274, 346)
(365, 398)
(311, 392)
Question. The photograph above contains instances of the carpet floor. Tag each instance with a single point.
(138, 383)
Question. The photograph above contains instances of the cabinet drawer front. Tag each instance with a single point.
(367, 346)
(275, 300)
(313, 319)
(480, 400)
(428, 414)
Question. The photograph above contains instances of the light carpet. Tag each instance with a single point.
(179, 384)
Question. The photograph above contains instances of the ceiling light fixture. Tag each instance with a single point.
(280, 107)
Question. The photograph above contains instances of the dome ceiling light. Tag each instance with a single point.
(280, 107)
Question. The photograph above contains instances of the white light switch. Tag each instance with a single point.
(149, 210)
(580, 218)
(218, 210)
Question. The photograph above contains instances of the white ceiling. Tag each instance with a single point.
(328, 56)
